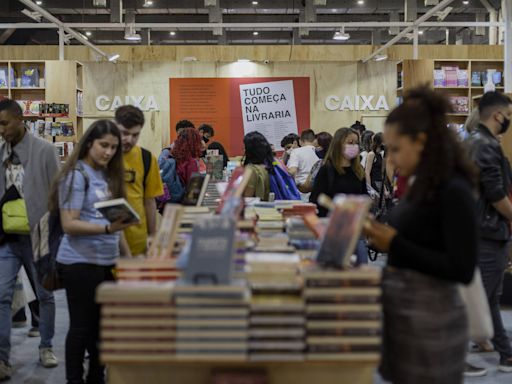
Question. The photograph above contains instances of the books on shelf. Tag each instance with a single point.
(31, 107)
(451, 77)
(460, 104)
(117, 210)
(29, 77)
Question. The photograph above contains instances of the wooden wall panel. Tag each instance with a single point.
(284, 53)
(151, 78)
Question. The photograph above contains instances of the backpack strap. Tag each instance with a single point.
(146, 161)
(83, 172)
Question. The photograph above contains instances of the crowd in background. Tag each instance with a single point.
(421, 176)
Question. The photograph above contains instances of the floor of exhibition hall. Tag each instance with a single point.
(28, 371)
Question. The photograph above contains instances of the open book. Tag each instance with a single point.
(117, 209)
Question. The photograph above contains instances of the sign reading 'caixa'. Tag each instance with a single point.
(105, 103)
(356, 103)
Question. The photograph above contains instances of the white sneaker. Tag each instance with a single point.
(5, 371)
(47, 358)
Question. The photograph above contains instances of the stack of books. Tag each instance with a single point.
(302, 237)
(299, 210)
(277, 309)
(343, 314)
(137, 322)
(212, 322)
(212, 196)
(276, 331)
(191, 215)
(137, 269)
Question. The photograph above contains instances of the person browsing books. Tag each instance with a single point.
(186, 151)
(258, 157)
(27, 167)
(432, 244)
(341, 171)
(323, 140)
(91, 244)
(142, 178)
(304, 158)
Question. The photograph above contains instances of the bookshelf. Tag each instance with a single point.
(33, 82)
(455, 79)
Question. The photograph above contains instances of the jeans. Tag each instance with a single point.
(12, 256)
(80, 282)
(361, 252)
(492, 261)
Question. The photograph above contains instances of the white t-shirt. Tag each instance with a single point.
(303, 159)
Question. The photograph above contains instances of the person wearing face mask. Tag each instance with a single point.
(494, 209)
(341, 171)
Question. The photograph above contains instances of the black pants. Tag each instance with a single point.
(80, 282)
(492, 261)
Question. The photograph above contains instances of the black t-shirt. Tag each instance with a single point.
(330, 182)
(439, 238)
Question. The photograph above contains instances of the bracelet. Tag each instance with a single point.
(107, 231)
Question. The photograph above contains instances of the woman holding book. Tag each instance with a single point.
(341, 171)
(91, 244)
(432, 245)
(187, 150)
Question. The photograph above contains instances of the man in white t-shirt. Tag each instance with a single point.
(302, 159)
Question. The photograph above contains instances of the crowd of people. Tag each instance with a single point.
(422, 177)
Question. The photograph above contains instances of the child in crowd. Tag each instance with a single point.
(432, 244)
(91, 244)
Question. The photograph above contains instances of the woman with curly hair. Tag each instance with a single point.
(186, 151)
(431, 241)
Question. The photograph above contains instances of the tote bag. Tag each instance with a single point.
(477, 309)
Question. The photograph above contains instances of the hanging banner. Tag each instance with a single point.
(269, 108)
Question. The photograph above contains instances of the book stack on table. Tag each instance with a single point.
(133, 269)
(191, 215)
(137, 322)
(277, 309)
(212, 321)
(343, 314)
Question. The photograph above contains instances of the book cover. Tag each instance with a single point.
(211, 251)
(117, 209)
(476, 79)
(163, 243)
(343, 230)
(196, 189)
(29, 76)
(215, 166)
(230, 203)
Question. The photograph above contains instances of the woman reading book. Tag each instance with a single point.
(432, 245)
(91, 244)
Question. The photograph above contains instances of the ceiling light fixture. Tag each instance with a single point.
(39, 2)
(380, 57)
(360, 2)
(114, 57)
(420, 32)
(341, 35)
(255, 33)
(254, 3)
(131, 34)
(465, 2)
(147, 3)
(172, 33)
(243, 61)
(88, 33)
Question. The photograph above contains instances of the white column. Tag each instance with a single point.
(415, 44)
(61, 43)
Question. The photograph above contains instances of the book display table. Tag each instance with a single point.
(353, 370)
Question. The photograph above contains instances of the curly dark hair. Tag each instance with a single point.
(187, 145)
(424, 111)
(257, 150)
